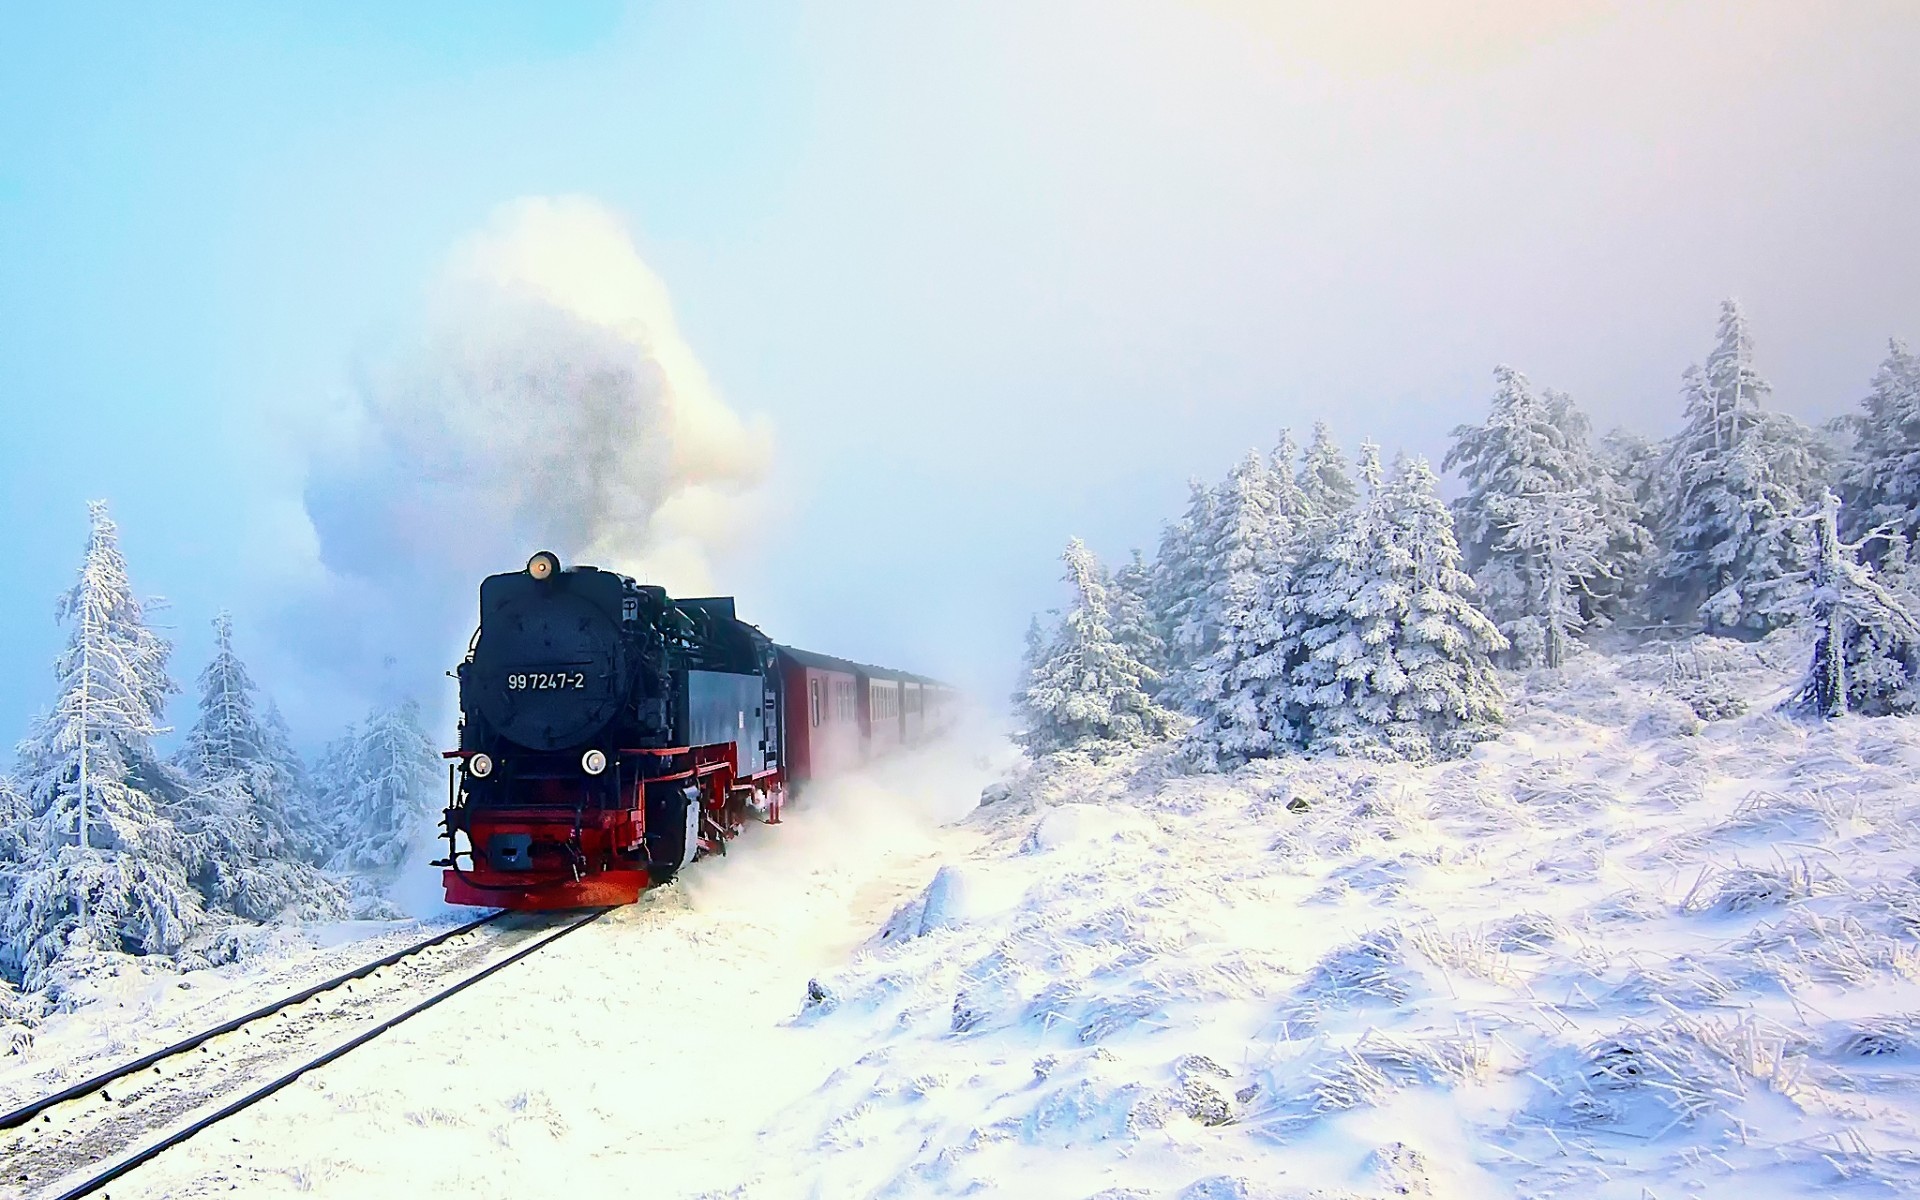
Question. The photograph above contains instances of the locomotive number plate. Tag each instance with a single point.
(547, 681)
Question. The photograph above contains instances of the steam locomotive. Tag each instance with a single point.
(610, 734)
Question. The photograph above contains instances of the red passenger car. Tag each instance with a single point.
(825, 732)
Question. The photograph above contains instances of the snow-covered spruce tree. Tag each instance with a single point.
(1627, 549)
(232, 739)
(1626, 493)
(392, 789)
(1177, 595)
(1130, 594)
(1563, 533)
(242, 815)
(1242, 682)
(1735, 476)
(1235, 548)
(305, 825)
(1327, 489)
(104, 870)
(1529, 526)
(1866, 654)
(14, 812)
(1881, 480)
(333, 802)
(1086, 692)
(1390, 656)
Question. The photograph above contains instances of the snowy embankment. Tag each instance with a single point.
(1619, 952)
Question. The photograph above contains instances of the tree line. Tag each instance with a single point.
(1294, 608)
(108, 846)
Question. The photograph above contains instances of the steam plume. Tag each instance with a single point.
(548, 402)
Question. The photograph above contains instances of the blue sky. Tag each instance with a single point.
(993, 274)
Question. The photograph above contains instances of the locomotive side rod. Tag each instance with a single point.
(27, 1112)
(124, 1165)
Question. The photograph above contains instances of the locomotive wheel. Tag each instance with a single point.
(671, 817)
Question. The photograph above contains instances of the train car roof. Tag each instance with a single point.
(827, 662)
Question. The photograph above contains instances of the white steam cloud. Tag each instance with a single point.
(548, 402)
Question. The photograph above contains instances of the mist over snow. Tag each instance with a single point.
(546, 401)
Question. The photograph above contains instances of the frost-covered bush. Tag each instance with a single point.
(1743, 889)
(1379, 1064)
(1370, 970)
(1651, 1081)
(19, 1016)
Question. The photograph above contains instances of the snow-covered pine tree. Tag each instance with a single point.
(1529, 526)
(1290, 505)
(1237, 547)
(1735, 476)
(393, 790)
(1627, 550)
(1177, 595)
(1086, 692)
(231, 740)
(226, 738)
(1625, 490)
(1881, 483)
(1560, 533)
(104, 870)
(1866, 654)
(1033, 654)
(1240, 687)
(1130, 592)
(333, 803)
(243, 817)
(14, 813)
(1327, 489)
(305, 826)
(1390, 656)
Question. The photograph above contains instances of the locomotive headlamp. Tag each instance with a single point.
(593, 762)
(479, 766)
(543, 565)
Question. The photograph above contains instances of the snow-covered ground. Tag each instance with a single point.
(1620, 952)
(139, 1005)
(639, 1056)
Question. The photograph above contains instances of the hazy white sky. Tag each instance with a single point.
(990, 275)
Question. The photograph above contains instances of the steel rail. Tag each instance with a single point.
(96, 1182)
(27, 1112)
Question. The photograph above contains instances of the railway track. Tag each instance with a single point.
(78, 1140)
